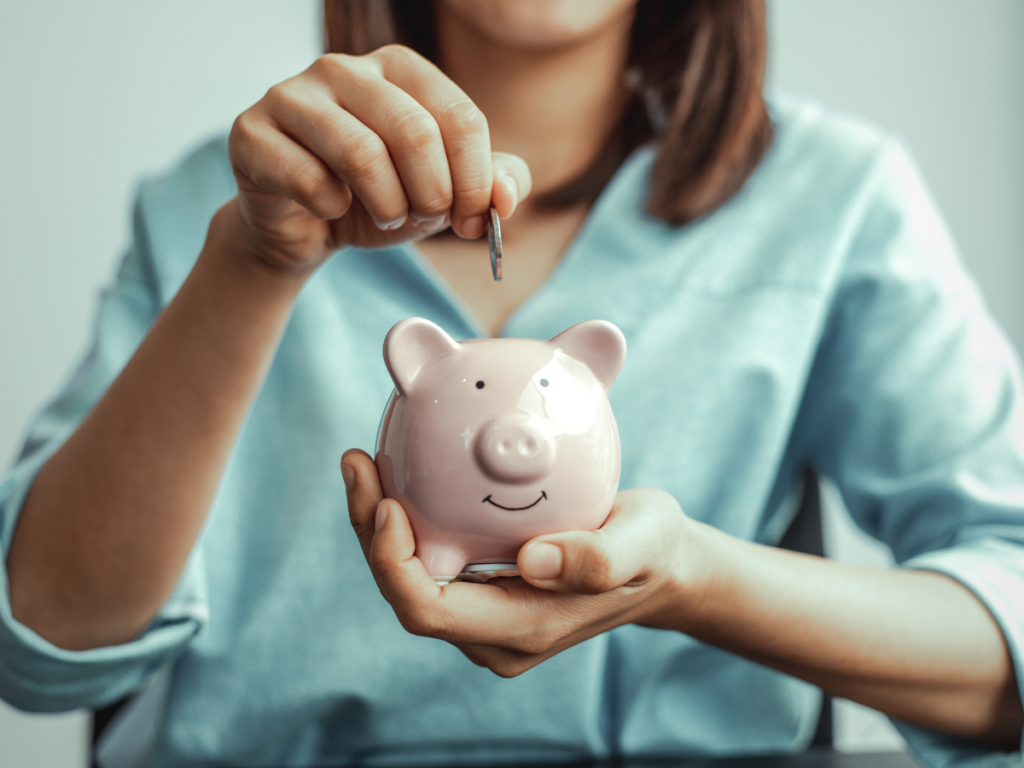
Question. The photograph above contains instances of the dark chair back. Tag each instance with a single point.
(804, 535)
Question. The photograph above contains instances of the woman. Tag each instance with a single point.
(788, 296)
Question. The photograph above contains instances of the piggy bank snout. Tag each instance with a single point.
(516, 448)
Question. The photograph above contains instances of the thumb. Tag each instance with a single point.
(512, 182)
(581, 562)
(632, 544)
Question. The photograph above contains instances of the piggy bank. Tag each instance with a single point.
(487, 443)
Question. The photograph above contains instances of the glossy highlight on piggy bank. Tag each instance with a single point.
(488, 443)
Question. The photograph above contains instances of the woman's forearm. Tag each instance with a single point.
(916, 645)
(108, 525)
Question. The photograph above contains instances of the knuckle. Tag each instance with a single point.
(415, 627)
(362, 527)
(434, 206)
(329, 62)
(243, 135)
(362, 157)
(463, 121)
(503, 663)
(285, 100)
(315, 190)
(474, 187)
(435, 210)
(415, 130)
(507, 665)
(332, 67)
(394, 53)
(278, 96)
(534, 645)
(379, 569)
(291, 97)
(534, 641)
(419, 623)
(596, 574)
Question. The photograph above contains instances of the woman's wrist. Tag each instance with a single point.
(231, 250)
(691, 582)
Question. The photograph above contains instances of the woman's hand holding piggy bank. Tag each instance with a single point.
(516, 473)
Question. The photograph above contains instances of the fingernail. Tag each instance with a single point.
(473, 227)
(348, 475)
(543, 561)
(382, 517)
(442, 224)
(389, 225)
(512, 189)
(427, 224)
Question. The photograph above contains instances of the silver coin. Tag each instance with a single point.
(483, 572)
(494, 241)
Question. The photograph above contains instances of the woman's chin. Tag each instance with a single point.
(539, 24)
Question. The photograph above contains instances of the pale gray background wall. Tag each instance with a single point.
(93, 96)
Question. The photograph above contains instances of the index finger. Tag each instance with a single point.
(363, 491)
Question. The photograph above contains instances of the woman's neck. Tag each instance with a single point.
(552, 107)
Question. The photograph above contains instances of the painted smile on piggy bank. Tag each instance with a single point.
(489, 500)
(488, 443)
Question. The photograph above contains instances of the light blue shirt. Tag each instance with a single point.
(819, 317)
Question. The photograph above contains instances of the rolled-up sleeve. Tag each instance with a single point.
(34, 674)
(993, 569)
(915, 408)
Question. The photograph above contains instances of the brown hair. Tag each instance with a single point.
(695, 73)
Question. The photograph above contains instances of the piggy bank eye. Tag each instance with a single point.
(479, 385)
(544, 382)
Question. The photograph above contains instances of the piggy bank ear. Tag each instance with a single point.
(410, 345)
(598, 344)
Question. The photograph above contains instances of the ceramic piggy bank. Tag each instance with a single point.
(489, 442)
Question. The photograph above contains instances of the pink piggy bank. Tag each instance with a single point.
(489, 442)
